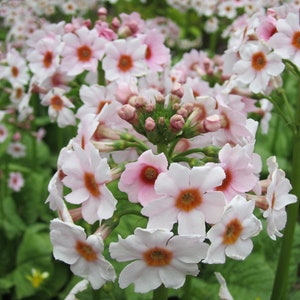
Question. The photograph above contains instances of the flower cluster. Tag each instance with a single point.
(173, 143)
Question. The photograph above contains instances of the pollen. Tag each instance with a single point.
(14, 71)
(84, 53)
(86, 251)
(188, 199)
(259, 61)
(149, 174)
(48, 57)
(91, 184)
(125, 63)
(57, 103)
(296, 40)
(232, 232)
(157, 257)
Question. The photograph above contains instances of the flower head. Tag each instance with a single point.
(84, 254)
(158, 258)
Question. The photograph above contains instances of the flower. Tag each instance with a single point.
(157, 54)
(15, 181)
(3, 133)
(59, 107)
(124, 59)
(278, 198)
(84, 254)
(16, 149)
(139, 177)
(237, 164)
(231, 236)
(286, 41)
(159, 257)
(37, 278)
(186, 197)
(257, 66)
(86, 174)
(82, 51)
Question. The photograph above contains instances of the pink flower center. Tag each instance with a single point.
(259, 61)
(84, 53)
(188, 199)
(14, 71)
(296, 40)
(57, 103)
(232, 232)
(86, 251)
(149, 174)
(157, 257)
(48, 57)
(91, 184)
(125, 63)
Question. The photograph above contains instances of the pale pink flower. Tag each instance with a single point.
(131, 24)
(3, 133)
(82, 253)
(82, 51)
(139, 177)
(78, 287)
(286, 42)
(237, 165)
(16, 71)
(159, 257)
(44, 57)
(187, 197)
(86, 174)
(124, 59)
(257, 65)
(224, 293)
(157, 54)
(16, 150)
(94, 97)
(59, 107)
(15, 181)
(232, 235)
(278, 198)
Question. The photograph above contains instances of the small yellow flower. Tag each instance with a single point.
(36, 277)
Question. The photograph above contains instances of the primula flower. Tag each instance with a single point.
(257, 65)
(86, 174)
(82, 51)
(3, 133)
(15, 181)
(124, 59)
(240, 177)
(59, 107)
(83, 254)
(187, 197)
(231, 236)
(139, 177)
(16, 149)
(157, 54)
(278, 198)
(158, 258)
(286, 41)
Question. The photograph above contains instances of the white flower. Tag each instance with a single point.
(231, 236)
(84, 254)
(158, 258)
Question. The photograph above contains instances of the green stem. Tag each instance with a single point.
(280, 287)
(161, 293)
(187, 288)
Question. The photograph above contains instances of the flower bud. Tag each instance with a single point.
(177, 122)
(128, 113)
(212, 123)
(150, 124)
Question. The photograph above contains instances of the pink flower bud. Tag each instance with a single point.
(128, 113)
(137, 101)
(102, 12)
(150, 124)
(69, 28)
(17, 137)
(177, 122)
(177, 89)
(115, 23)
